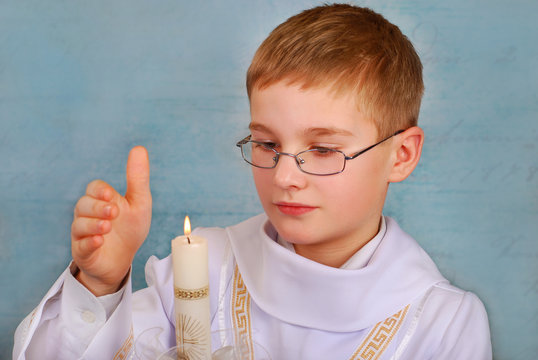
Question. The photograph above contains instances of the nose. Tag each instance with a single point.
(287, 173)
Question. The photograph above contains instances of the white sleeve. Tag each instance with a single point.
(467, 337)
(70, 322)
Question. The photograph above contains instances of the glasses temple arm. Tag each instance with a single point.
(243, 141)
(372, 146)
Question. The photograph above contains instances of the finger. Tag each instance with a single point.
(88, 206)
(83, 227)
(101, 190)
(86, 246)
(137, 173)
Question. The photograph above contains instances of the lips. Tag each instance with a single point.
(294, 209)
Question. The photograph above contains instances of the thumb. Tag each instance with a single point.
(138, 176)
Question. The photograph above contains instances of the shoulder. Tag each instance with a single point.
(458, 321)
(449, 302)
(467, 335)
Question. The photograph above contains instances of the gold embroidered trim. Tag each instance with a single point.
(126, 347)
(241, 313)
(195, 294)
(380, 337)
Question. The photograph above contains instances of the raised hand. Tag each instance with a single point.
(108, 228)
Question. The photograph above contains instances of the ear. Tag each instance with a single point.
(406, 151)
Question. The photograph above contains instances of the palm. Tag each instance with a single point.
(104, 253)
(114, 257)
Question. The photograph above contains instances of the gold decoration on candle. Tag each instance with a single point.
(195, 294)
(190, 334)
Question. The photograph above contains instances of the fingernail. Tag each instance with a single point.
(105, 194)
(108, 210)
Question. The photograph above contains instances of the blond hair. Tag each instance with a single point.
(349, 49)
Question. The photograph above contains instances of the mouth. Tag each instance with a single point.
(294, 209)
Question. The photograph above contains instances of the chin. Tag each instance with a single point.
(294, 232)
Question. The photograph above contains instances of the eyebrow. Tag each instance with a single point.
(327, 131)
(314, 131)
(259, 127)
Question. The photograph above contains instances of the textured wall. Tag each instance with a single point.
(82, 82)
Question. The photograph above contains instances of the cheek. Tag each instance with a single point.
(345, 195)
(263, 182)
(361, 190)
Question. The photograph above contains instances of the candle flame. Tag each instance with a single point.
(187, 226)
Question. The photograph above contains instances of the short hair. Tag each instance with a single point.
(349, 49)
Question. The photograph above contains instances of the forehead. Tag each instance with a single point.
(289, 107)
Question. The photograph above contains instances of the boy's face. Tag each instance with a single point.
(329, 213)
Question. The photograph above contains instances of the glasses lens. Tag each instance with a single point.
(259, 154)
(321, 161)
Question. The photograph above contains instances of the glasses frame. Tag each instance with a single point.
(300, 161)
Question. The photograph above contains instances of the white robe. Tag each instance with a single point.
(398, 306)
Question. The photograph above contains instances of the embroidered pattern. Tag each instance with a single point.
(195, 294)
(241, 313)
(380, 337)
(125, 348)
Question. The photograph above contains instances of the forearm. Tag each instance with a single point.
(68, 322)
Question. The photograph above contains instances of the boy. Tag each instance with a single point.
(335, 93)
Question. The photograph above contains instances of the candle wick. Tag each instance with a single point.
(189, 240)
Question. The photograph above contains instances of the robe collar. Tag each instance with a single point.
(302, 292)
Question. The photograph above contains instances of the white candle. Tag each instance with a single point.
(191, 291)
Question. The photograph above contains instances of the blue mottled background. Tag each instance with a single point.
(82, 82)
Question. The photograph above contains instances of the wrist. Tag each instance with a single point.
(98, 287)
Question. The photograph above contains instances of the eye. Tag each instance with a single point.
(263, 145)
(323, 152)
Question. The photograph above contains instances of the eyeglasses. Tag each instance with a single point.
(318, 161)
